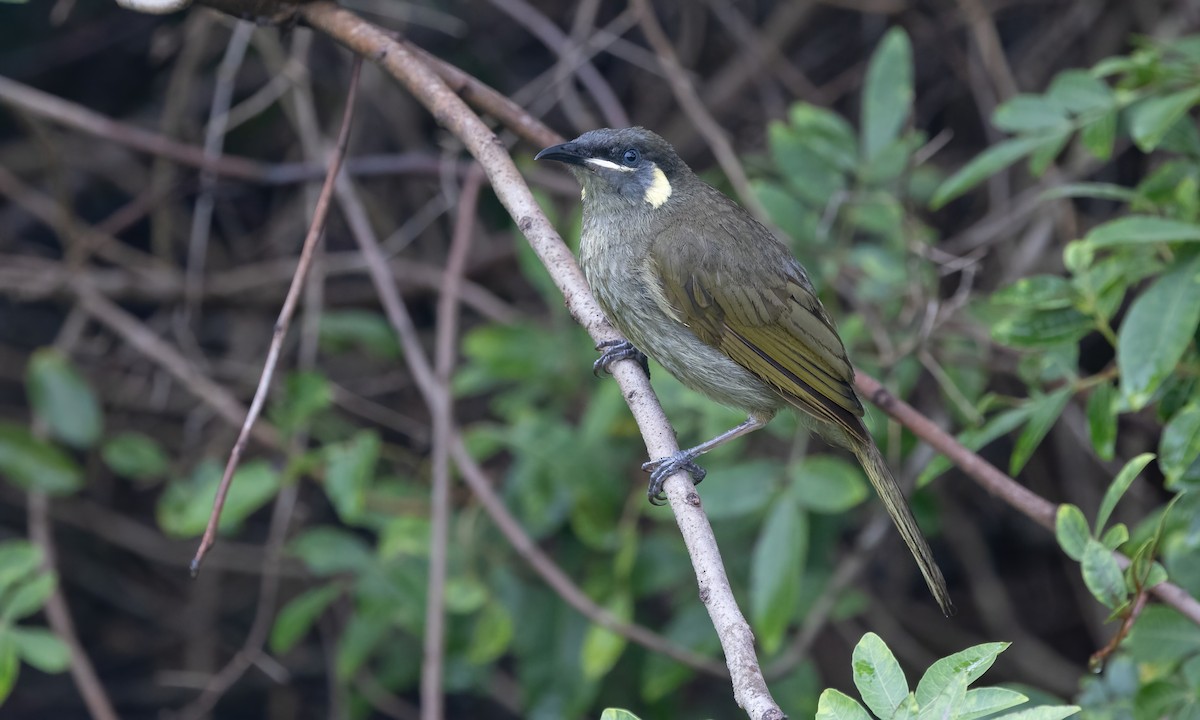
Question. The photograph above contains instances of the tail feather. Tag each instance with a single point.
(897, 506)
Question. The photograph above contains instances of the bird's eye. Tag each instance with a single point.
(631, 157)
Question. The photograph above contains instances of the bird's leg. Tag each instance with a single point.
(614, 350)
(663, 468)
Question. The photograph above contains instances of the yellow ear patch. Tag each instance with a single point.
(660, 188)
(583, 193)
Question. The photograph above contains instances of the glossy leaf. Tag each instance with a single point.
(1102, 420)
(1030, 114)
(1043, 713)
(617, 714)
(183, 509)
(1042, 416)
(1118, 487)
(1157, 330)
(878, 676)
(1071, 530)
(329, 550)
(41, 648)
(350, 469)
(967, 664)
(28, 597)
(986, 164)
(296, 617)
(62, 397)
(1102, 575)
(135, 456)
(603, 647)
(827, 484)
(34, 464)
(775, 572)
(982, 702)
(1150, 119)
(1141, 230)
(1162, 634)
(1099, 135)
(492, 634)
(887, 93)
(10, 665)
(836, 705)
(942, 705)
(1179, 446)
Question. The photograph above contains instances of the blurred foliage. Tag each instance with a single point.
(565, 453)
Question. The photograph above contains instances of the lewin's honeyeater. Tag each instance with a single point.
(695, 282)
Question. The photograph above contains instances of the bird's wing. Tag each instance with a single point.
(759, 308)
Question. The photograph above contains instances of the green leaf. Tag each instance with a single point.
(617, 714)
(1157, 330)
(298, 615)
(41, 648)
(184, 507)
(330, 550)
(602, 647)
(986, 164)
(977, 438)
(1102, 420)
(34, 464)
(775, 570)
(1179, 446)
(1115, 536)
(827, 484)
(28, 597)
(491, 635)
(1141, 230)
(1093, 190)
(1162, 635)
(1029, 115)
(1080, 92)
(809, 175)
(343, 330)
(1043, 414)
(943, 705)
(887, 93)
(827, 133)
(968, 664)
(1118, 487)
(363, 633)
(982, 702)
(1150, 119)
(836, 705)
(734, 499)
(1099, 135)
(18, 560)
(135, 456)
(1043, 713)
(350, 468)
(304, 395)
(60, 396)
(1037, 292)
(878, 676)
(1071, 530)
(10, 665)
(1102, 575)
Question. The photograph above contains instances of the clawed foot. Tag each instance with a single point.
(614, 350)
(663, 468)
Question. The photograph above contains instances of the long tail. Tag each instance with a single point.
(897, 506)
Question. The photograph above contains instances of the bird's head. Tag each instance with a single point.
(632, 164)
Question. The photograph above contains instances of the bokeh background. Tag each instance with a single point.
(138, 295)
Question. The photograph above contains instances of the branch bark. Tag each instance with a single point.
(750, 689)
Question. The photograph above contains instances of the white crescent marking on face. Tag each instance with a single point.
(660, 188)
(608, 165)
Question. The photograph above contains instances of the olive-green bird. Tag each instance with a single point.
(695, 282)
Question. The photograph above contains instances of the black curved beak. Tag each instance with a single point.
(569, 153)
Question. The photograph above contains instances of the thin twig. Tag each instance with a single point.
(316, 229)
(685, 93)
(214, 141)
(1035, 507)
(750, 689)
(432, 702)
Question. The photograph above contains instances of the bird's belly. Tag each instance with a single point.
(631, 307)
